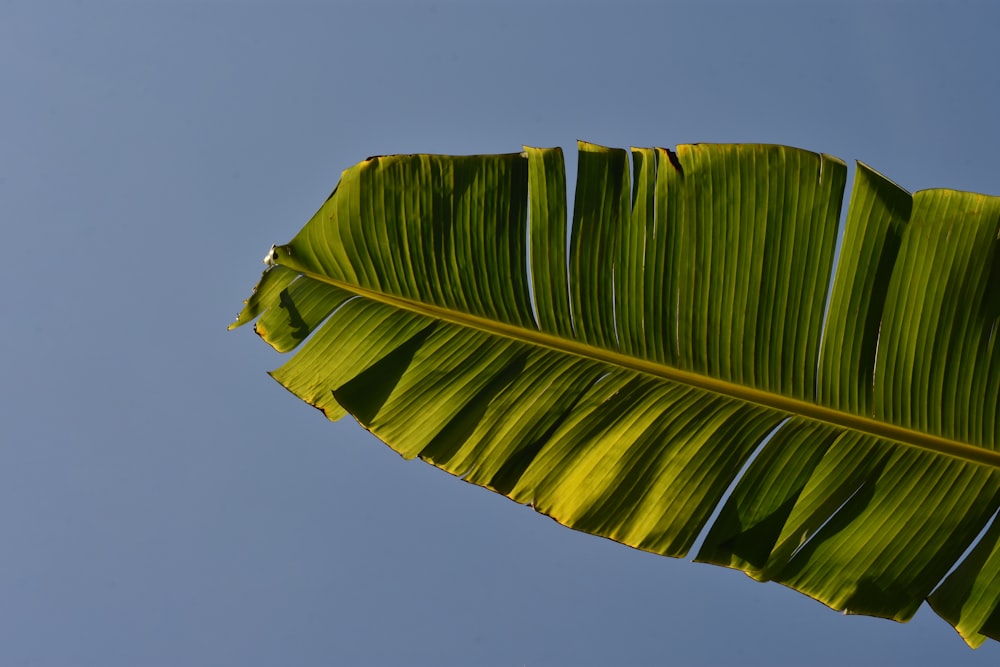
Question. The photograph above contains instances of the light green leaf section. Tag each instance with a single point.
(617, 368)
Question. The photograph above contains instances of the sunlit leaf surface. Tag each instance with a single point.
(617, 367)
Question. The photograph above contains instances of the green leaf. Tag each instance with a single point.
(617, 370)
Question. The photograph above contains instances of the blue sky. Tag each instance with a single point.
(163, 502)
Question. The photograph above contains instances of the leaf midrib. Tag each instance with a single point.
(792, 406)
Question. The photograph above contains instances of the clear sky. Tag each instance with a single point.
(163, 502)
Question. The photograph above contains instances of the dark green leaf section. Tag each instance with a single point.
(547, 186)
(860, 524)
(876, 222)
(939, 354)
(750, 233)
(635, 298)
(433, 298)
(600, 212)
(437, 229)
(967, 599)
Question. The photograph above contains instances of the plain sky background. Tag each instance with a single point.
(163, 502)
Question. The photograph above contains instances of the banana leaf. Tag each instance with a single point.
(690, 336)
